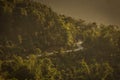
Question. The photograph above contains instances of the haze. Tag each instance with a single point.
(100, 11)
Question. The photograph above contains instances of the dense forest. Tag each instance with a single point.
(36, 43)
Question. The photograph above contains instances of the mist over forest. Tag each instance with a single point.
(37, 43)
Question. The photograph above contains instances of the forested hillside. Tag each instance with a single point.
(36, 43)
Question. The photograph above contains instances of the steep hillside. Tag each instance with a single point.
(29, 25)
(39, 44)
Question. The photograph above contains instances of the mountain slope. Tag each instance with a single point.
(33, 25)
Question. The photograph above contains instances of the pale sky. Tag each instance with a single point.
(100, 11)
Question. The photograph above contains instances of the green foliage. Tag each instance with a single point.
(35, 44)
(28, 24)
